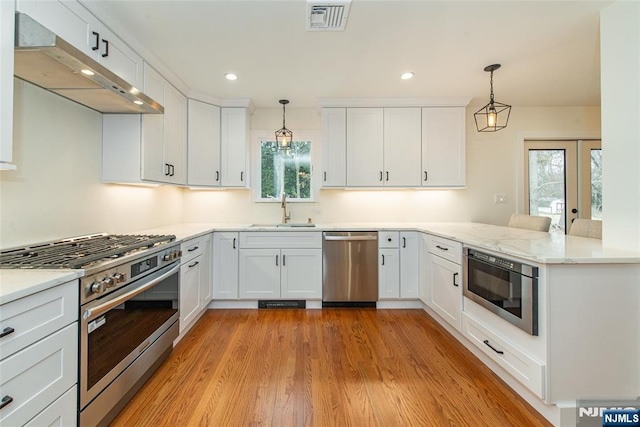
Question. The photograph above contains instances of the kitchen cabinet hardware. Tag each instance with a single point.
(387, 175)
(276, 259)
(195, 248)
(106, 48)
(217, 176)
(234, 243)
(425, 176)
(325, 176)
(404, 242)
(7, 331)
(382, 259)
(242, 176)
(284, 260)
(194, 264)
(5, 401)
(441, 248)
(574, 210)
(173, 170)
(380, 175)
(97, 45)
(486, 342)
(166, 168)
(454, 279)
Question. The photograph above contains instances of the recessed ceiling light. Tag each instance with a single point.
(87, 72)
(406, 76)
(231, 76)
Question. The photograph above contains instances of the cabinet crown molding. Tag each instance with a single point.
(441, 101)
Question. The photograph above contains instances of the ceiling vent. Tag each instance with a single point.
(327, 15)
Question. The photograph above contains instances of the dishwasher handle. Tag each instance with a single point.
(349, 238)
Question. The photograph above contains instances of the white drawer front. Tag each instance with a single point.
(191, 249)
(388, 239)
(37, 316)
(61, 413)
(524, 368)
(445, 248)
(38, 375)
(282, 240)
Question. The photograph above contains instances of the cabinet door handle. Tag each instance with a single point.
(404, 242)
(325, 176)
(194, 264)
(242, 176)
(195, 248)
(7, 331)
(387, 175)
(486, 342)
(5, 401)
(425, 175)
(106, 48)
(234, 243)
(217, 176)
(173, 170)
(166, 169)
(454, 279)
(441, 248)
(277, 260)
(382, 259)
(97, 45)
(284, 260)
(380, 175)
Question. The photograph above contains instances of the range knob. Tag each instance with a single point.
(108, 282)
(168, 257)
(119, 277)
(97, 287)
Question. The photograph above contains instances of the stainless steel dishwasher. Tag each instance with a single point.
(349, 268)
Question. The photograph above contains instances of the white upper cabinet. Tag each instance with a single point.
(6, 84)
(203, 144)
(234, 128)
(334, 147)
(402, 139)
(365, 151)
(76, 25)
(146, 148)
(443, 147)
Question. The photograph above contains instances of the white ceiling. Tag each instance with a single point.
(549, 50)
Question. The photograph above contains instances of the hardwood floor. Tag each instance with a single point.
(330, 367)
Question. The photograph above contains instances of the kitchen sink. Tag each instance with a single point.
(289, 224)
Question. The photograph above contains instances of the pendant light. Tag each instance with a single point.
(284, 136)
(495, 115)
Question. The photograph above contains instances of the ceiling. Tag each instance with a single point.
(549, 50)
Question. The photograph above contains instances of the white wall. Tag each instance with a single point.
(620, 82)
(492, 167)
(56, 191)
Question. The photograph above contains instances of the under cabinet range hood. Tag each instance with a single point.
(46, 60)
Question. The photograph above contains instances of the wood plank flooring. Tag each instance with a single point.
(330, 367)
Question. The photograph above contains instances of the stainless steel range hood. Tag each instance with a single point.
(46, 60)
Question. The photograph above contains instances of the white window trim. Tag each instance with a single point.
(257, 136)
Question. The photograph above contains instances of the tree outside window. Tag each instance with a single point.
(288, 172)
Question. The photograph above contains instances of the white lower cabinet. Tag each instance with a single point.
(225, 265)
(63, 412)
(280, 274)
(409, 264)
(389, 274)
(190, 276)
(206, 272)
(516, 362)
(445, 279)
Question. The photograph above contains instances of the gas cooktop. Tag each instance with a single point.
(80, 252)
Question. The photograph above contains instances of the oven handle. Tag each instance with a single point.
(103, 308)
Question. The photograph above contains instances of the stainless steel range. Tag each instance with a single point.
(128, 311)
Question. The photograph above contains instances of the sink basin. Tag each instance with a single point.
(289, 224)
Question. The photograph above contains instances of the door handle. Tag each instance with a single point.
(167, 169)
(96, 46)
(387, 175)
(380, 175)
(425, 175)
(284, 260)
(404, 242)
(382, 259)
(277, 260)
(325, 176)
(242, 176)
(106, 48)
(234, 243)
(217, 176)
(5, 401)
(454, 280)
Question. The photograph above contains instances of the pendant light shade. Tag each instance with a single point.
(495, 115)
(284, 136)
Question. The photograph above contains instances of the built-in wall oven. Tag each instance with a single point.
(505, 287)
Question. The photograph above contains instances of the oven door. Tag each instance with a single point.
(117, 328)
(510, 295)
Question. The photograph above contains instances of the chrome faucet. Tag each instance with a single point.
(285, 216)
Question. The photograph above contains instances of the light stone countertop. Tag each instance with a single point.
(533, 246)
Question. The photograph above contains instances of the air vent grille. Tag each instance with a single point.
(327, 16)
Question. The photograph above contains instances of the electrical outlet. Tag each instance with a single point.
(500, 199)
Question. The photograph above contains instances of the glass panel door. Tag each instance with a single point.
(591, 180)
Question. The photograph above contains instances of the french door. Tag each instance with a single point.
(563, 180)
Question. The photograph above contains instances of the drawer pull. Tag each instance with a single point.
(441, 248)
(486, 342)
(7, 331)
(194, 264)
(195, 248)
(5, 401)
